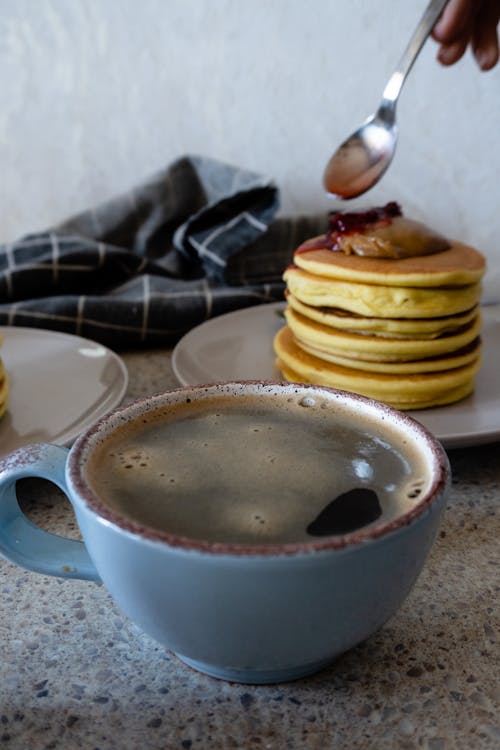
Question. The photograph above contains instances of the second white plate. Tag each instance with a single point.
(238, 346)
(59, 385)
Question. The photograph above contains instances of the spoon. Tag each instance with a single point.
(363, 158)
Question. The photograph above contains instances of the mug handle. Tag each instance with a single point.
(21, 541)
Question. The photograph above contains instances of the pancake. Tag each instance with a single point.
(386, 307)
(4, 386)
(403, 391)
(4, 394)
(379, 300)
(378, 348)
(459, 358)
(450, 396)
(459, 265)
(388, 327)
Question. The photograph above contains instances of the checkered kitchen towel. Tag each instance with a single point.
(197, 240)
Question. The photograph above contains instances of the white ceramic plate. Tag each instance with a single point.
(59, 385)
(238, 346)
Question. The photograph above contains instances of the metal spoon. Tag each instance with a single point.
(363, 158)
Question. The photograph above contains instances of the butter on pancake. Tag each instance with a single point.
(386, 307)
(397, 237)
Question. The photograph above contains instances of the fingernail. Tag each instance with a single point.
(444, 56)
(486, 59)
(437, 30)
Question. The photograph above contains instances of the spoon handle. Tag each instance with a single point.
(396, 81)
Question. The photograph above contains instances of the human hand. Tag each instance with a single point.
(469, 22)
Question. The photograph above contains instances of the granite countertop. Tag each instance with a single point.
(75, 673)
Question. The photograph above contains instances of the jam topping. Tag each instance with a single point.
(380, 232)
(347, 223)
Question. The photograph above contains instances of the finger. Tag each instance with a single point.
(485, 35)
(448, 54)
(455, 20)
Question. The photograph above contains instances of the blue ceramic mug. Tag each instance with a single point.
(250, 613)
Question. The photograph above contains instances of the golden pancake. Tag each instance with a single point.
(377, 348)
(384, 306)
(449, 397)
(377, 300)
(462, 357)
(410, 391)
(460, 265)
(4, 386)
(4, 394)
(388, 327)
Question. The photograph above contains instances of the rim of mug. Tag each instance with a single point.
(97, 433)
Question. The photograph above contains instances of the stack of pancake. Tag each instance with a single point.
(4, 387)
(383, 306)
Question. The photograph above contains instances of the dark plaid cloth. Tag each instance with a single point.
(197, 240)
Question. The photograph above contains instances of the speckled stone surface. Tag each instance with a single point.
(75, 673)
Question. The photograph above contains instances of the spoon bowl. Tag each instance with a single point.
(362, 159)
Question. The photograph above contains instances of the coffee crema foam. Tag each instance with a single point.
(257, 470)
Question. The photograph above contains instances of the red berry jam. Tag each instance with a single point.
(345, 223)
(348, 223)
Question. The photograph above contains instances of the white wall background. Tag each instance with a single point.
(97, 94)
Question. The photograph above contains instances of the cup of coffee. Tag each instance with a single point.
(257, 530)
